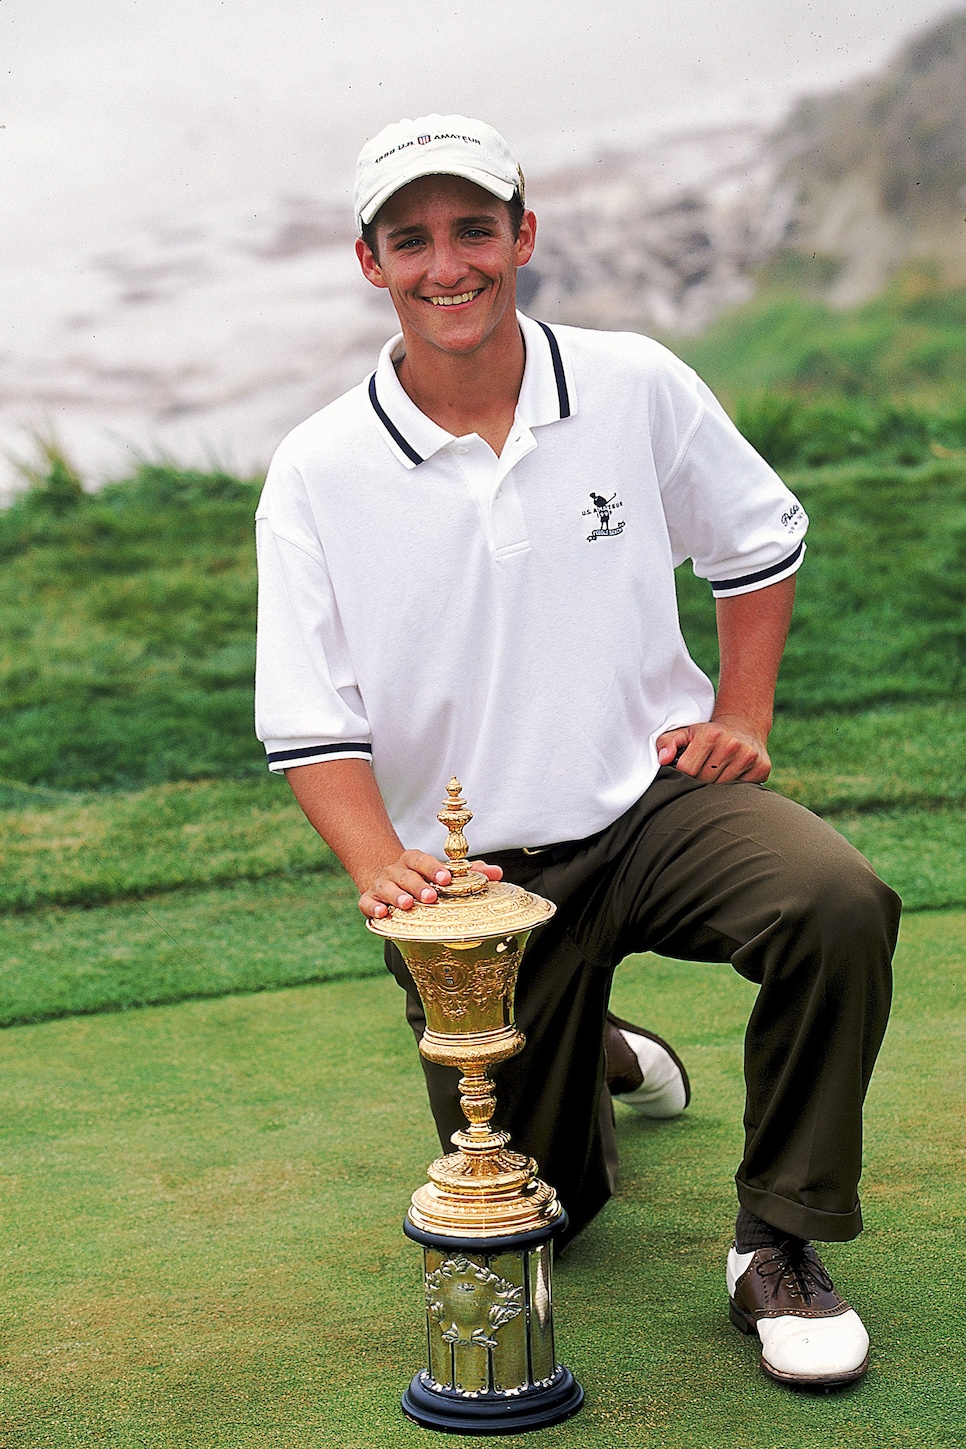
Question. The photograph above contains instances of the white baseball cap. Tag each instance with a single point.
(433, 146)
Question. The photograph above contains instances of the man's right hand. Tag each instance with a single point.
(341, 801)
(413, 877)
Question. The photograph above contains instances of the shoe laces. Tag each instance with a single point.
(802, 1272)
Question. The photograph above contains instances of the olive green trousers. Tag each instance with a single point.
(711, 873)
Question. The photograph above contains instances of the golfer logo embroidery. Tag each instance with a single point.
(604, 507)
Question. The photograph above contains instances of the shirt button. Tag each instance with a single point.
(462, 448)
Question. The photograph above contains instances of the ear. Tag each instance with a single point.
(526, 238)
(371, 269)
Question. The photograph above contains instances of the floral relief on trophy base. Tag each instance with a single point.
(470, 1302)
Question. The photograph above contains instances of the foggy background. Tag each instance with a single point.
(152, 156)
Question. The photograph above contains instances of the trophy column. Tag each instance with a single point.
(484, 1219)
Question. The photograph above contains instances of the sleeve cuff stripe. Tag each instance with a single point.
(724, 586)
(315, 752)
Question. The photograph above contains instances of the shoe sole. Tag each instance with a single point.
(623, 1025)
(748, 1326)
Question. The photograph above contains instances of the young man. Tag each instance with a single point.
(466, 565)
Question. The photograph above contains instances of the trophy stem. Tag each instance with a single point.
(478, 1103)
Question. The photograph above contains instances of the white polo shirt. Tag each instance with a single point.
(437, 610)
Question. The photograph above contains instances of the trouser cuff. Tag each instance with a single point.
(796, 1219)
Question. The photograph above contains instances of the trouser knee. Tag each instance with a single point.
(825, 969)
(849, 914)
(832, 912)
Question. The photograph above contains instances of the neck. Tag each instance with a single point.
(473, 392)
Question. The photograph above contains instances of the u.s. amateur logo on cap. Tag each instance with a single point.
(424, 140)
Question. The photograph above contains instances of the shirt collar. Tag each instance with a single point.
(547, 395)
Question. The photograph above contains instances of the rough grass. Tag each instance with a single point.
(126, 658)
(920, 853)
(210, 887)
(127, 618)
(906, 345)
(84, 849)
(249, 936)
(904, 756)
(201, 1214)
(257, 934)
(213, 887)
(127, 633)
(880, 615)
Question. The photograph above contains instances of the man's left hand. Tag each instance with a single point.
(721, 750)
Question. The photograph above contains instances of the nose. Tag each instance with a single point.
(448, 266)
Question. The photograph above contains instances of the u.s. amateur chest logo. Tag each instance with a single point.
(604, 508)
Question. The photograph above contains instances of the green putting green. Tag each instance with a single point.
(202, 1240)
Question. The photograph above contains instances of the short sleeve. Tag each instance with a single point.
(727, 509)
(307, 704)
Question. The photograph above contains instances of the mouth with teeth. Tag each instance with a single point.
(455, 301)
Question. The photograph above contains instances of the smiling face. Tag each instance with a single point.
(447, 252)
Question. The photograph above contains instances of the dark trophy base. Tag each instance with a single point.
(489, 1328)
(530, 1408)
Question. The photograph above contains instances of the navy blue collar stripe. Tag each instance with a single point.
(759, 577)
(563, 396)
(313, 751)
(390, 426)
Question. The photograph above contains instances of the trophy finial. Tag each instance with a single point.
(454, 815)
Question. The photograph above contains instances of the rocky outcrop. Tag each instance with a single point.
(861, 183)
(878, 172)
(662, 239)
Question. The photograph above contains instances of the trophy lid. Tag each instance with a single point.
(472, 907)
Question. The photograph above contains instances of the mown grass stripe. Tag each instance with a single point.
(249, 936)
(256, 935)
(94, 848)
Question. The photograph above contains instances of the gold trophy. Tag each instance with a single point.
(485, 1220)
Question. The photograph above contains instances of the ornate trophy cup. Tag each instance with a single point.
(485, 1220)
